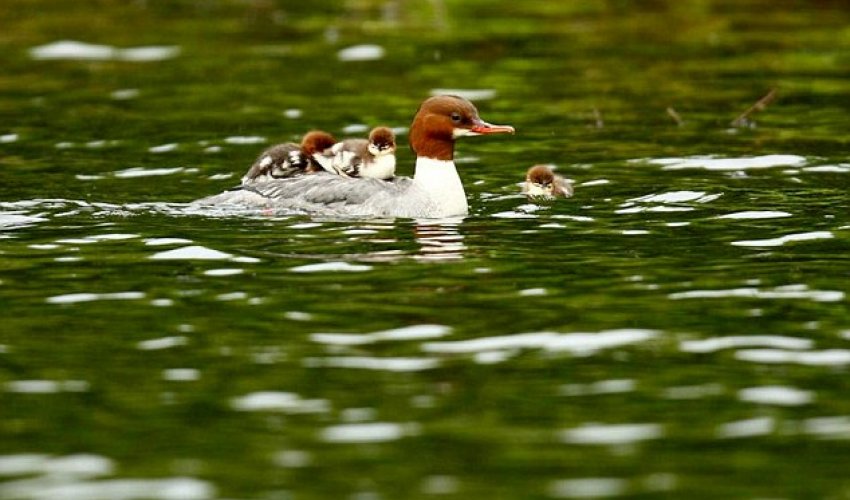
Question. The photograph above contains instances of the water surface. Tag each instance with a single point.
(678, 328)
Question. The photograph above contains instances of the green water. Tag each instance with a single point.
(679, 328)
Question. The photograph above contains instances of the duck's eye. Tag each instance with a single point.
(456, 117)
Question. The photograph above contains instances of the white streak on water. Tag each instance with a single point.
(136, 172)
(249, 139)
(841, 168)
(285, 402)
(581, 344)
(181, 374)
(162, 343)
(755, 214)
(415, 332)
(597, 182)
(617, 434)
(797, 291)
(324, 267)
(8, 138)
(82, 465)
(163, 148)
(776, 395)
(46, 386)
(365, 52)
(223, 272)
(73, 298)
(829, 357)
(152, 242)
(370, 363)
(719, 343)
(11, 220)
(677, 197)
(828, 427)
(57, 486)
(775, 242)
(81, 51)
(588, 487)
(616, 386)
(471, 94)
(746, 428)
(374, 432)
(727, 164)
(193, 252)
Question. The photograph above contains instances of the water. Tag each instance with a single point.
(678, 328)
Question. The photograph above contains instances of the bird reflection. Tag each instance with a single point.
(439, 240)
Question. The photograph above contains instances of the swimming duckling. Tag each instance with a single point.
(541, 182)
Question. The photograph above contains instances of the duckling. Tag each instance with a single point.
(373, 157)
(541, 182)
(289, 159)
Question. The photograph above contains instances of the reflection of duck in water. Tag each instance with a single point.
(289, 159)
(541, 182)
(373, 157)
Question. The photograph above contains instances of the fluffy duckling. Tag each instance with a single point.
(289, 159)
(373, 157)
(541, 182)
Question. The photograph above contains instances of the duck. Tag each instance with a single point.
(373, 157)
(542, 182)
(434, 191)
(289, 159)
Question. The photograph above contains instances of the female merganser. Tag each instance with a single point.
(541, 182)
(373, 157)
(435, 191)
(289, 159)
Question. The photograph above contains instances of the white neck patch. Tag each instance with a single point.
(440, 181)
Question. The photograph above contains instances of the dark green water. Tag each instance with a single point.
(677, 329)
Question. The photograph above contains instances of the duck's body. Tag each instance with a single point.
(435, 191)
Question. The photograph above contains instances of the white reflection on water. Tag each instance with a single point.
(581, 344)
(616, 386)
(331, 267)
(728, 164)
(755, 214)
(83, 465)
(364, 52)
(616, 434)
(828, 427)
(719, 343)
(197, 252)
(588, 487)
(374, 432)
(73, 298)
(796, 291)
(439, 240)
(46, 386)
(67, 488)
(788, 238)
(371, 363)
(14, 220)
(162, 343)
(415, 332)
(746, 428)
(776, 395)
(829, 357)
(82, 51)
(285, 402)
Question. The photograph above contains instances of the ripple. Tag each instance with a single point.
(245, 139)
(755, 214)
(285, 402)
(618, 434)
(67, 488)
(153, 242)
(325, 267)
(775, 242)
(797, 291)
(415, 332)
(371, 363)
(588, 487)
(719, 343)
(727, 164)
(73, 298)
(81, 51)
(374, 432)
(162, 343)
(677, 197)
(46, 386)
(747, 428)
(471, 94)
(776, 395)
(828, 427)
(82, 465)
(15, 220)
(829, 357)
(136, 172)
(364, 52)
(194, 252)
(577, 343)
(181, 374)
(8, 138)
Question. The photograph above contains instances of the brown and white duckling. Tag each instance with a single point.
(289, 159)
(373, 158)
(541, 182)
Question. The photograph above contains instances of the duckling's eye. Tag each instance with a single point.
(456, 117)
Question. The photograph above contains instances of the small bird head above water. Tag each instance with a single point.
(381, 141)
(541, 182)
(316, 141)
(442, 119)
